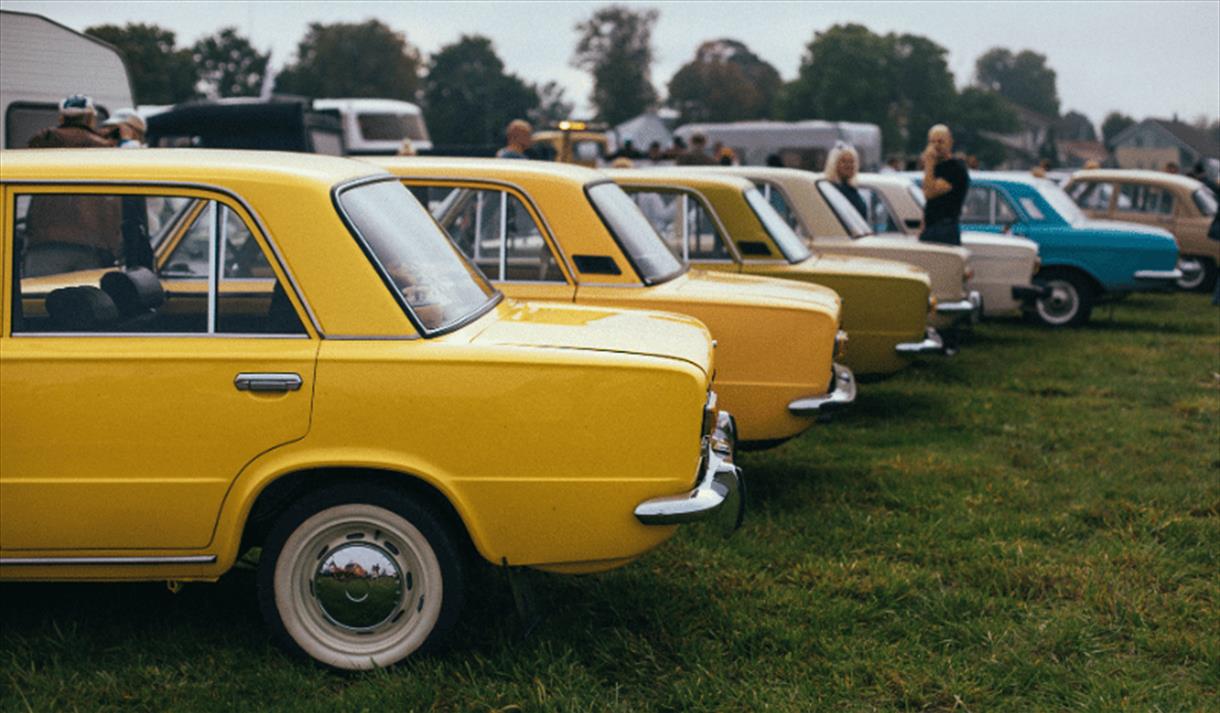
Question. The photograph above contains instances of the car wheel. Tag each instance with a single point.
(1069, 302)
(1201, 280)
(359, 577)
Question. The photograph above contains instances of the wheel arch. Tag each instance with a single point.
(1072, 268)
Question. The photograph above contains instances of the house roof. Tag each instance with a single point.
(1197, 140)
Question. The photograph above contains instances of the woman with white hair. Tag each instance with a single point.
(841, 167)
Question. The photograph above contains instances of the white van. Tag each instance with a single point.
(798, 144)
(378, 126)
(44, 62)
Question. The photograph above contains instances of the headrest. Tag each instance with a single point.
(81, 309)
(134, 291)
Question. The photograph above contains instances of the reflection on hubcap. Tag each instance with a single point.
(358, 585)
(1061, 303)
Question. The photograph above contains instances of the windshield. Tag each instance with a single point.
(635, 235)
(1206, 202)
(779, 230)
(430, 277)
(1060, 201)
(848, 216)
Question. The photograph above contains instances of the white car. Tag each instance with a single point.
(1003, 265)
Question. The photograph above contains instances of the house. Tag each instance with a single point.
(1025, 144)
(1152, 143)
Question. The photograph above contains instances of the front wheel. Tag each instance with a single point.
(359, 577)
(1200, 280)
(1068, 303)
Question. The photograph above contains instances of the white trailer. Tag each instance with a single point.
(378, 126)
(799, 144)
(41, 62)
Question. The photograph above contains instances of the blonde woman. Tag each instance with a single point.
(841, 167)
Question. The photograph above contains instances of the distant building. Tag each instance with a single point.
(1023, 145)
(1152, 143)
(1075, 154)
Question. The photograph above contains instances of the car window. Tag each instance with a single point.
(1140, 198)
(977, 206)
(779, 202)
(1092, 195)
(1205, 201)
(87, 264)
(495, 230)
(683, 222)
(429, 275)
(848, 216)
(880, 217)
(634, 234)
(792, 247)
(1031, 209)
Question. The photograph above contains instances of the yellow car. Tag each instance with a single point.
(721, 222)
(830, 225)
(545, 231)
(322, 375)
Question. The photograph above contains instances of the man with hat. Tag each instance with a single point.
(128, 128)
(76, 120)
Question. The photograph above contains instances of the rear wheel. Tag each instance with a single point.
(1069, 301)
(359, 577)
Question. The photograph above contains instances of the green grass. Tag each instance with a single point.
(1032, 525)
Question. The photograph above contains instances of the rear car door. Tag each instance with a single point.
(132, 398)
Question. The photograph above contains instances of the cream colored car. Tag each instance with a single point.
(830, 225)
(1179, 204)
(1003, 266)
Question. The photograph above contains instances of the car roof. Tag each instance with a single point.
(204, 166)
(1139, 176)
(502, 168)
(682, 175)
(393, 106)
(878, 179)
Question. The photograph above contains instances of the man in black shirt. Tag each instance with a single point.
(945, 182)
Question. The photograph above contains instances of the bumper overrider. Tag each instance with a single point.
(968, 309)
(718, 492)
(1028, 294)
(932, 344)
(842, 391)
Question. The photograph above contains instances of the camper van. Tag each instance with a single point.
(44, 62)
(377, 126)
(798, 144)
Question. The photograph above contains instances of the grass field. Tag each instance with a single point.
(1032, 525)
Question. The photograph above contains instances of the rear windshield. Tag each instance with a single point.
(391, 127)
(635, 235)
(1053, 194)
(789, 243)
(848, 216)
(430, 277)
(1206, 201)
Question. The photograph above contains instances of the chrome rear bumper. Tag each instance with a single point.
(842, 392)
(971, 307)
(719, 489)
(931, 344)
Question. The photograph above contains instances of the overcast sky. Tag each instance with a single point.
(1142, 58)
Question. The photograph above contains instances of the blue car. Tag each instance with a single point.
(1084, 261)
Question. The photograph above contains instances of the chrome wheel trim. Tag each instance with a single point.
(1062, 305)
(1198, 274)
(335, 637)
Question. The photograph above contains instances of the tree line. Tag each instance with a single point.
(901, 82)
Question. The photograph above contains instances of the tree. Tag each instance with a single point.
(724, 82)
(552, 107)
(1114, 123)
(468, 97)
(352, 60)
(228, 64)
(976, 116)
(1022, 78)
(902, 83)
(160, 72)
(1074, 126)
(615, 46)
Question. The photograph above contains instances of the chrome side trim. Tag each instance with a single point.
(841, 393)
(932, 344)
(189, 559)
(1174, 274)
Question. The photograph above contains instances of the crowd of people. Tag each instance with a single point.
(77, 128)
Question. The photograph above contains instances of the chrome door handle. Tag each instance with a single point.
(265, 381)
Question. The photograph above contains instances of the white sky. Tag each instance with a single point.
(1142, 58)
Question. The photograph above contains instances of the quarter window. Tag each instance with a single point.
(88, 263)
(1140, 198)
(683, 222)
(495, 230)
(779, 202)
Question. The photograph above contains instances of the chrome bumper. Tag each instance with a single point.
(970, 307)
(1174, 274)
(841, 393)
(931, 344)
(719, 489)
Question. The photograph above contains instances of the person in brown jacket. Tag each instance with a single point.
(77, 118)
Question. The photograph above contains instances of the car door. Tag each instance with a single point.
(130, 403)
(1145, 204)
(502, 233)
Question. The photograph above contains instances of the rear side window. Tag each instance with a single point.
(142, 264)
(1140, 198)
(683, 222)
(1205, 201)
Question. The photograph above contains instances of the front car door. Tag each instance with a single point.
(132, 399)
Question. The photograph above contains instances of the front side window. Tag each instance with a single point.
(779, 202)
(431, 279)
(976, 209)
(649, 255)
(789, 243)
(683, 222)
(848, 216)
(87, 263)
(495, 230)
(1092, 195)
(880, 217)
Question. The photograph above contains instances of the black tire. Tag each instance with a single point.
(1204, 281)
(359, 577)
(1070, 302)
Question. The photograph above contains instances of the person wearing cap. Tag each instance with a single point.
(76, 121)
(128, 128)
